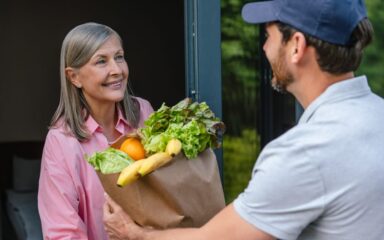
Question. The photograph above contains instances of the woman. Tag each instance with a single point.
(95, 109)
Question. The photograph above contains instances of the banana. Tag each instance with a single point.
(147, 165)
(173, 147)
(129, 174)
(153, 162)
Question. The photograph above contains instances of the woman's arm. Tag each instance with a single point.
(57, 198)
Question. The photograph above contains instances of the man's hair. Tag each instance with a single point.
(332, 58)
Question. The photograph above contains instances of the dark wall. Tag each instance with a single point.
(32, 32)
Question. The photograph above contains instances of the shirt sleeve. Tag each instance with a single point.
(285, 193)
(58, 199)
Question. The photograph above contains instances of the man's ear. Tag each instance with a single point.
(298, 47)
(72, 75)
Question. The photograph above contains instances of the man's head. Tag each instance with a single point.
(337, 29)
(332, 21)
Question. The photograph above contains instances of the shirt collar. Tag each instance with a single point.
(92, 125)
(121, 123)
(341, 90)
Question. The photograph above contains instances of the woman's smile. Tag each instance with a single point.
(114, 85)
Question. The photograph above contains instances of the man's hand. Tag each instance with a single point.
(226, 225)
(118, 224)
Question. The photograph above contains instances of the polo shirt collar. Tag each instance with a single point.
(349, 88)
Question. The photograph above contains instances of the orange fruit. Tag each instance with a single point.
(133, 147)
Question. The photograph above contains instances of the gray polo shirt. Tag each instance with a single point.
(324, 178)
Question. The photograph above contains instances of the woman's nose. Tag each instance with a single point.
(115, 67)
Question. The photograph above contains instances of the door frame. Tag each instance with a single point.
(203, 56)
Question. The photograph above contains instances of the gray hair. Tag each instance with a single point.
(78, 47)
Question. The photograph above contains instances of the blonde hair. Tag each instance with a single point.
(78, 47)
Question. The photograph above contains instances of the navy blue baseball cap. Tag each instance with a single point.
(332, 21)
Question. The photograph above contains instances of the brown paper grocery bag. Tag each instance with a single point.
(183, 193)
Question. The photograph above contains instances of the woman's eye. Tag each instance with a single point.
(100, 61)
(119, 58)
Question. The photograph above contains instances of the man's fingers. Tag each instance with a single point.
(110, 206)
(107, 209)
(116, 222)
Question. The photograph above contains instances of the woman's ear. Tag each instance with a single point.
(71, 74)
(298, 47)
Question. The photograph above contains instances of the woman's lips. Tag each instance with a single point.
(114, 84)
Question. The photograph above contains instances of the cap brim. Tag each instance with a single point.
(259, 12)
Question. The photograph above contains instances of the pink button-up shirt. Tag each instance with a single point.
(71, 196)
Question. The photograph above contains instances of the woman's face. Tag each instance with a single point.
(103, 79)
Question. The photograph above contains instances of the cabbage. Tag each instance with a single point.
(109, 161)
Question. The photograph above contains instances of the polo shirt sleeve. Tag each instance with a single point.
(58, 200)
(285, 193)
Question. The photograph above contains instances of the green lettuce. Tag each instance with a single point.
(109, 161)
(193, 123)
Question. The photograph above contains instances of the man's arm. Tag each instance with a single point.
(226, 225)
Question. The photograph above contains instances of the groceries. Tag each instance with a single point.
(173, 147)
(133, 147)
(145, 166)
(194, 124)
(187, 127)
(109, 161)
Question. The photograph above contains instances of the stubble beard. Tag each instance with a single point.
(282, 77)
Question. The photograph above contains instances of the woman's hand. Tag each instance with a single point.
(118, 224)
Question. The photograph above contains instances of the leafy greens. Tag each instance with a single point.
(193, 123)
(109, 161)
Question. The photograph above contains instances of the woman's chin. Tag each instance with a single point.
(116, 97)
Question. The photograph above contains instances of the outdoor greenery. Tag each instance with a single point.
(240, 152)
(373, 60)
(240, 74)
(239, 64)
(240, 97)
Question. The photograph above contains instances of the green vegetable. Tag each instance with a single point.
(194, 124)
(109, 161)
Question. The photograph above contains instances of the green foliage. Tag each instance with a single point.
(240, 62)
(373, 60)
(239, 68)
(239, 157)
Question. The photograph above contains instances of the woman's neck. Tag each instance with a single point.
(106, 117)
